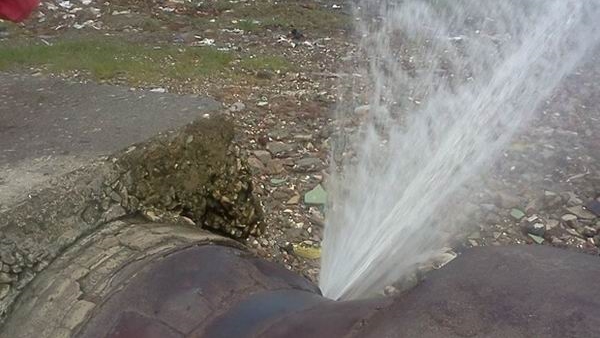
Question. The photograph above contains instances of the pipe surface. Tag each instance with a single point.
(520, 291)
(168, 281)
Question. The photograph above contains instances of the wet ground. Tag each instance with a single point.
(280, 88)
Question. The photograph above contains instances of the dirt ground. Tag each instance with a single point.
(275, 66)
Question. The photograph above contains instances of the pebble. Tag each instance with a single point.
(443, 259)
(280, 148)
(537, 229)
(263, 155)
(303, 137)
(572, 199)
(256, 164)
(537, 239)
(237, 107)
(5, 278)
(278, 181)
(308, 164)
(294, 200)
(589, 231)
(7, 257)
(552, 224)
(317, 196)
(594, 206)
(390, 290)
(517, 214)
(580, 212)
(569, 219)
(4, 290)
(275, 167)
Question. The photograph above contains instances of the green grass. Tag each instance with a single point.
(108, 58)
(271, 15)
(291, 14)
(248, 25)
(264, 62)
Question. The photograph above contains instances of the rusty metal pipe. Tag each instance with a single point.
(493, 292)
(165, 281)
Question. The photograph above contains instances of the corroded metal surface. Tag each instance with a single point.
(516, 291)
(152, 280)
(185, 292)
(144, 280)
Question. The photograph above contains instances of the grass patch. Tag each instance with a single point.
(151, 25)
(263, 62)
(108, 58)
(287, 14)
(248, 25)
(273, 15)
(134, 63)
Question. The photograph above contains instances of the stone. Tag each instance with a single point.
(475, 235)
(552, 224)
(278, 181)
(293, 200)
(281, 194)
(280, 148)
(573, 232)
(569, 219)
(263, 155)
(517, 214)
(594, 206)
(580, 212)
(4, 290)
(303, 137)
(279, 134)
(308, 164)
(588, 231)
(295, 234)
(151, 216)
(552, 199)
(256, 165)
(5, 278)
(597, 240)
(443, 258)
(557, 241)
(572, 199)
(317, 196)
(114, 211)
(537, 229)
(7, 257)
(537, 239)
(390, 290)
(237, 107)
(532, 206)
(275, 167)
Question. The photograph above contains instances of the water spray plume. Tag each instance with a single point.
(450, 83)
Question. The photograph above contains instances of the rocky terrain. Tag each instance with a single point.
(275, 66)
